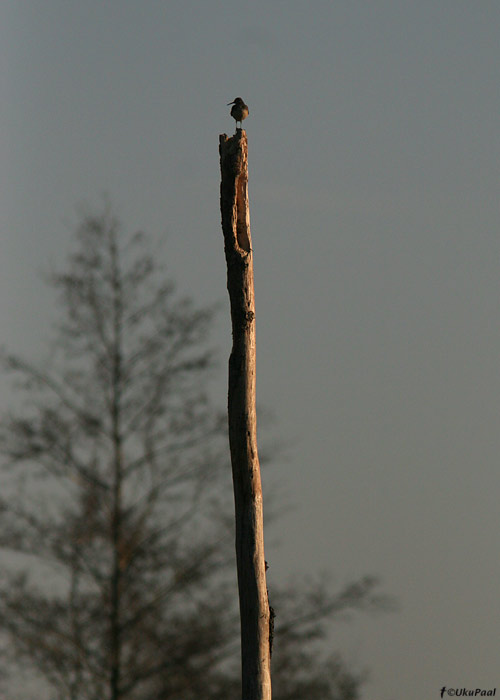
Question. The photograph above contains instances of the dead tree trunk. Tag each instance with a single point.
(254, 605)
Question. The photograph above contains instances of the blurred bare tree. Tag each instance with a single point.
(116, 521)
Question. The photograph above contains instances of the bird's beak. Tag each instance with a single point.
(230, 103)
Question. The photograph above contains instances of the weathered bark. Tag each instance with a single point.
(254, 605)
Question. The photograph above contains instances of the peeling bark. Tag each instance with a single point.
(254, 605)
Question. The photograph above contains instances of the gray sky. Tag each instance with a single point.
(374, 177)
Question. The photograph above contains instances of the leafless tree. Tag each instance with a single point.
(115, 521)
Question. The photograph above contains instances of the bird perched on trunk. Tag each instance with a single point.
(239, 111)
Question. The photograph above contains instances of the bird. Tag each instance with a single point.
(239, 111)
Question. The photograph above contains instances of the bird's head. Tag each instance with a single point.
(236, 101)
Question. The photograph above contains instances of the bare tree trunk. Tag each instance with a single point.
(254, 605)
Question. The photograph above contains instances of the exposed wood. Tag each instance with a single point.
(254, 605)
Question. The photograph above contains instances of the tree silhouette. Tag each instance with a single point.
(117, 506)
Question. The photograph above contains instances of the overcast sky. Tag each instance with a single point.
(374, 191)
